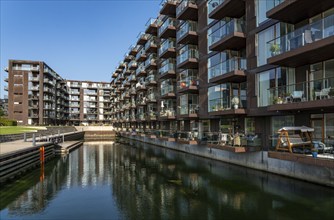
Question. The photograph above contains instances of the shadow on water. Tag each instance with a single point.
(139, 181)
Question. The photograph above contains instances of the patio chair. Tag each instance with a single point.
(297, 96)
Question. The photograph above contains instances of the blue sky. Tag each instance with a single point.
(82, 40)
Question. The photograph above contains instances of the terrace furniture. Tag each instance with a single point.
(324, 93)
(290, 137)
(297, 96)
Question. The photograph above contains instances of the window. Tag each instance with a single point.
(261, 10)
(262, 38)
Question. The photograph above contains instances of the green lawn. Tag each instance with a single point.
(18, 129)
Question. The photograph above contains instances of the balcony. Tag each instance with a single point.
(187, 10)
(151, 117)
(228, 105)
(232, 70)
(151, 26)
(132, 78)
(151, 45)
(141, 117)
(133, 65)
(188, 111)
(150, 63)
(302, 96)
(168, 28)
(167, 69)
(219, 9)
(187, 137)
(167, 91)
(308, 44)
(128, 58)
(134, 50)
(5, 88)
(187, 33)
(142, 38)
(168, 7)
(141, 56)
(167, 49)
(188, 83)
(294, 11)
(141, 87)
(151, 98)
(187, 57)
(33, 79)
(151, 80)
(230, 35)
(140, 71)
(167, 114)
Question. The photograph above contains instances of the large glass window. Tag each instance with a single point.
(261, 9)
(262, 38)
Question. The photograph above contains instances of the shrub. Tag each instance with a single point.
(7, 122)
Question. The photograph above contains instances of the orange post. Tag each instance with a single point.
(41, 154)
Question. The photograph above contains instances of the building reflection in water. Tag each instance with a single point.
(155, 183)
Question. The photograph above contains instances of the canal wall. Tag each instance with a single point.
(24, 156)
(316, 170)
(98, 133)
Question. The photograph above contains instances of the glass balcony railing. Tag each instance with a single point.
(187, 82)
(302, 36)
(151, 21)
(152, 97)
(185, 28)
(167, 65)
(302, 92)
(167, 23)
(234, 25)
(143, 36)
(141, 68)
(152, 42)
(183, 4)
(188, 109)
(167, 112)
(151, 59)
(140, 53)
(187, 52)
(167, 44)
(167, 89)
(227, 103)
(213, 4)
(235, 63)
(150, 78)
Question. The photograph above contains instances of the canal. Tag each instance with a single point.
(105, 180)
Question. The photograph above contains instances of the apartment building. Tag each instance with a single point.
(220, 69)
(89, 102)
(37, 95)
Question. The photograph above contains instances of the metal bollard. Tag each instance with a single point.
(33, 140)
(25, 137)
(63, 138)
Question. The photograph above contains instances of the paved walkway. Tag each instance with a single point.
(12, 146)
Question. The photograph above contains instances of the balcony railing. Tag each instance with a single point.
(151, 97)
(167, 23)
(185, 28)
(167, 112)
(227, 103)
(152, 42)
(167, 44)
(150, 78)
(167, 65)
(213, 4)
(235, 63)
(186, 53)
(184, 4)
(190, 109)
(167, 89)
(187, 82)
(302, 92)
(234, 25)
(141, 68)
(151, 59)
(302, 36)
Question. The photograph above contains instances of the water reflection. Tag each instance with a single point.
(114, 181)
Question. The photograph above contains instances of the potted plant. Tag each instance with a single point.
(213, 108)
(331, 92)
(275, 48)
(235, 102)
(278, 100)
(314, 152)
